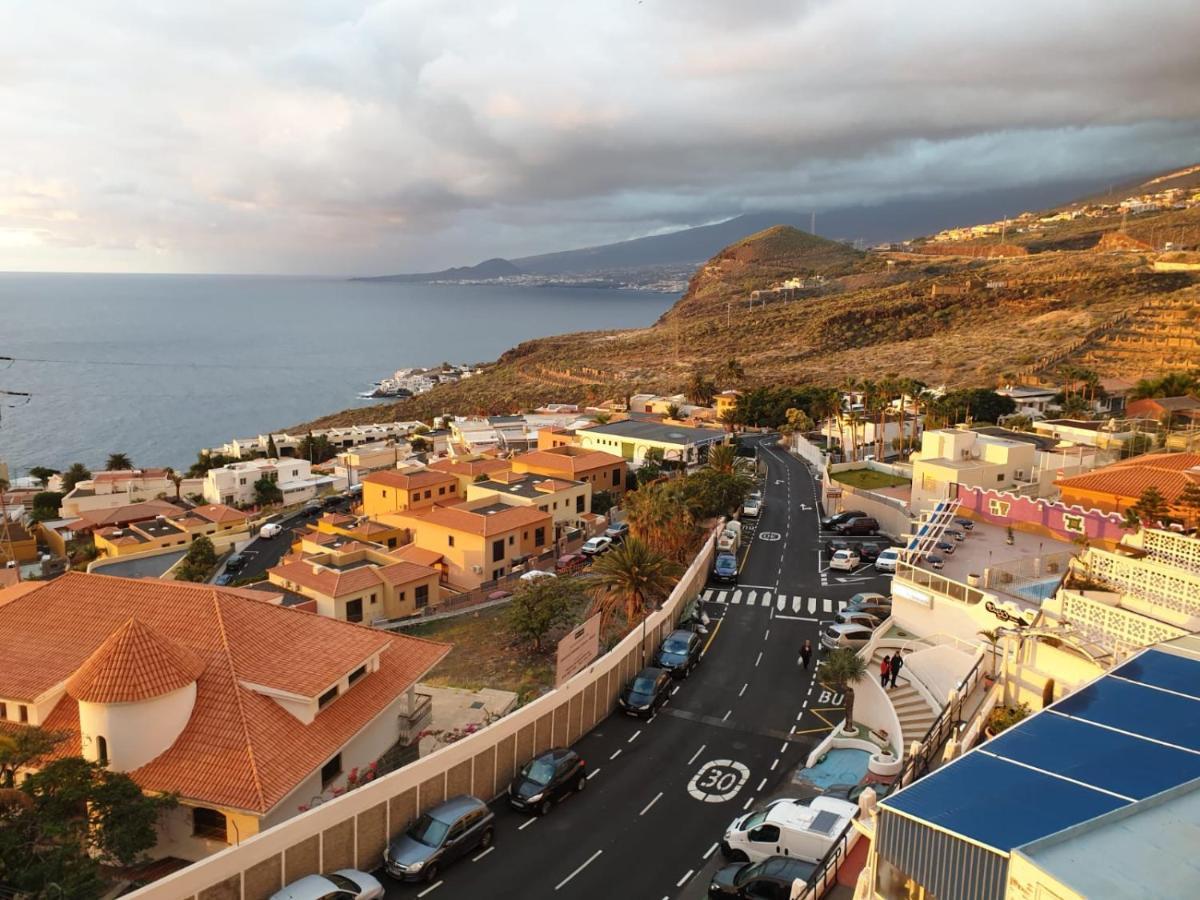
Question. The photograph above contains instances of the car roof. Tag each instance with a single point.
(455, 807)
(310, 887)
(650, 672)
(556, 753)
(725, 555)
(850, 628)
(786, 866)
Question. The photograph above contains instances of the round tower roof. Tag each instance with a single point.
(134, 663)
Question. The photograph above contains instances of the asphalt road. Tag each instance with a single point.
(262, 554)
(662, 792)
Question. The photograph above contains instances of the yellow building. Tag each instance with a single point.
(357, 583)
(361, 528)
(16, 543)
(603, 471)
(164, 533)
(409, 489)
(478, 541)
(726, 402)
(568, 502)
(471, 469)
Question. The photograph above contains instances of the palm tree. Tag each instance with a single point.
(661, 519)
(674, 411)
(631, 579)
(840, 671)
(75, 473)
(723, 458)
(993, 636)
(175, 478)
(117, 462)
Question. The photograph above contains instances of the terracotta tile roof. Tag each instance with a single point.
(412, 481)
(324, 580)
(550, 461)
(240, 748)
(404, 572)
(461, 518)
(220, 514)
(471, 467)
(1168, 472)
(123, 515)
(129, 475)
(418, 555)
(134, 663)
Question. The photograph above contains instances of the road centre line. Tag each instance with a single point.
(674, 690)
(687, 875)
(614, 756)
(727, 715)
(767, 633)
(646, 808)
(712, 636)
(762, 784)
(433, 887)
(711, 850)
(774, 764)
(586, 863)
(783, 749)
(746, 805)
(526, 823)
(696, 754)
(592, 774)
(743, 690)
(634, 737)
(480, 856)
(757, 661)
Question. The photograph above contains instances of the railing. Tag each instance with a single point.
(417, 718)
(940, 730)
(825, 873)
(938, 584)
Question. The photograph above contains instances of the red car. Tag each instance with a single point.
(571, 562)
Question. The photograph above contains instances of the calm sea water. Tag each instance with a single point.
(161, 366)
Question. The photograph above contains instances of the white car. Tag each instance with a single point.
(536, 574)
(836, 636)
(270, 530)
(751, 507)
(595, 546)
(845, 560)
(802, 829)
(343, 884)
(886, 561)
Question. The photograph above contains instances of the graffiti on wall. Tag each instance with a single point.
(1034, 514)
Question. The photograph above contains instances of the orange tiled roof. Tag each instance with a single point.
(326, 581)
(240, 748)
(219, 513)
(134, 663)
(404, 572)
(1168, 472)
(121, 515)
(421, 479)
(563, 462)
(472, 467)
(418, 555)
(463, 519)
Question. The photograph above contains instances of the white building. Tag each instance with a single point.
(112, 490)
(287, 443)
(233, 485)
(1034, 402)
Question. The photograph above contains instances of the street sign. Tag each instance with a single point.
(577, 650)
(833, 494)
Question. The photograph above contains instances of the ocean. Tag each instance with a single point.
(160, 366)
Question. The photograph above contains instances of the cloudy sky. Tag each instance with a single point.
(332, 136)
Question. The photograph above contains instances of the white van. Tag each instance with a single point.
(270, 530)
(802, 829)
(886, 560)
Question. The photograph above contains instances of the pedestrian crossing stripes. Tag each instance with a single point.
(782, 602)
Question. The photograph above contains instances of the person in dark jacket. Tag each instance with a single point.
(897, 665)
(806, 653)
(885, 671)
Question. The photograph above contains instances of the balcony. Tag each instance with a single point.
(417, 718)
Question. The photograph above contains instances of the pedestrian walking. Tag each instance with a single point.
(896, 666)
(885, 671)
(806, 654)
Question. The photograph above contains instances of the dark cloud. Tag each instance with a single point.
(341, 136)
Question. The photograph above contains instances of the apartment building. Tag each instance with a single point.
(401, 490)
(470, 468)
(111, 490)
(602, 470)
(569, 503)
(170, 531)
(233, 485)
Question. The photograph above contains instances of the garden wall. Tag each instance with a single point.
(353, 830)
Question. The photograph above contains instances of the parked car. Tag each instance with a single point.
(595, 546)
(679, 653)
(730, 538)
(647, 692)
(440, 836)
(793, 828)
(235, 563)
(224, 578)
(859, 617)
(773, 877)
(859, 525)
(833, 545)
(869, 550)
(546, 779)
(312, 508)
(570, 562)
(964, 524)
(751, 507)
(935, 561)
(886, 561)
(617, 531)
(725, 568)
(944, 547)
(536, 574)
(845, 560)
(837, 636)
(344, 884)
(834, 521)
(851, 792)
(955, 534)
(868, 598)
(270, 530)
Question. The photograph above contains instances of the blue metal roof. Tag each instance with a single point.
(1129, 735)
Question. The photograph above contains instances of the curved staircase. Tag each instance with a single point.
(914, 712)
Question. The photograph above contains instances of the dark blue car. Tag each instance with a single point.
(725, 568)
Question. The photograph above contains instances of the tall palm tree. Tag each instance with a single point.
(630, 579)
(117, 462)
(723, 458)
(993, 636)
(175, 478)
(660, 518)
(841, 670)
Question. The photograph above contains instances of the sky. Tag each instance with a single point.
(338, 137)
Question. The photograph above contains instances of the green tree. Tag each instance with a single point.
(1019, 423)
(603, 502)
(842, 669)
(205, 461)
(272, 450)
(1189, 500)
(76, 472)
(797, 421)
(993, 636)
(176, 479)
(267, 492)
(20, 747)
(540, 605)
(674, 411)
(46, 505)
(1138, 444)
(316, 449)
(198, 562)
(980, 404)
(117, 462)
(419, 444)
(651, 468)
(660, 518)
(700, 389)
(1151, 507)
(75, 817)
(630, 579)
(1173, 384)
(43, 474)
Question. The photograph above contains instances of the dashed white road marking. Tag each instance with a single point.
(766, 600)
(614, 756)
(592, 774)
(646, 808)
(752, 598)
(737, 598)
(743, 690)
(688, 874)
(826, 605)
(711, 850)
(762, 784)
(749, 800)
(586, 863)
(797, 602)
(480, 856)
(429, 890)
(727, 715)
(696, 754)
(634, 736)
(766, 634)
(757, 661)
(812, 604)
(774, 764)
(526, 824)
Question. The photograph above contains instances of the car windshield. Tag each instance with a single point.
(643, 684)
(675, 645)
(428, 831)
(754, 820)
(540, 771)
(749, 872)
(343, 883)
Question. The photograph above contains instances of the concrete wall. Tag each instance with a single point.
(1040, 516)
(893, 517)
(354, 829)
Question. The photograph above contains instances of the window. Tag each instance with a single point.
(616, 476)
(579, 504)
(428, 494)
(497, 550)
(23, 713)
(512, 539)
(416, 496)
(358, 673)
(766, 834)
(241, 481)
(421, 595)
(544, 509)
(328, 697)
(383, 493)
(331, 770)
(373, 600)
(450, 540)
(452, 487)
(3, 710)
(539, 537)
(402, 596)
(208, 823)
(497, 574)
(441, 490)
(102, 750)
(354, 610)
(1000, 477)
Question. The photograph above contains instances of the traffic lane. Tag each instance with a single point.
(265, 553)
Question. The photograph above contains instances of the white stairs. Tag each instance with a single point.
(913, 710)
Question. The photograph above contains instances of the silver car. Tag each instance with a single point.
(343, 884)
(835, 636)
(439, 837)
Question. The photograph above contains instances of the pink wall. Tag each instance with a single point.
(1030, 514)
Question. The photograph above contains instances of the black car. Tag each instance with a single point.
(834, 521)
(964, 524)
(858, 525)
(852, 792)
(546, 779)
(836, 544)
(679, 653)
(235, 563)
(773, 877)
(868, 551)
(440, 836)
(647, 692)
